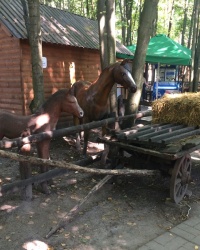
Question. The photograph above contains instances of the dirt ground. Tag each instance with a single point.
(123, 214)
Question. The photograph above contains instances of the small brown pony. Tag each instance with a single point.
(46, 118)
(93, 97)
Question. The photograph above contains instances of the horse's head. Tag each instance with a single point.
(71, 106)
(123, 76)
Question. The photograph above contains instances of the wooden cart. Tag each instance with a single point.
(166, 147)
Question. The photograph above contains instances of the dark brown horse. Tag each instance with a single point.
(13, 126)
(93, 97)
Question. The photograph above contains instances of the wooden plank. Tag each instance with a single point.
(62, 223)
(122, 134)
(158, 138)
(11, 61)
(163, 132)
(184, 144)
(160, 154)
(10, 95)
(147, 131)
(6, 91)
(13, 103)
(191, 142)
(6, 75)
(181, 136)
(14, 107)
(133, 148)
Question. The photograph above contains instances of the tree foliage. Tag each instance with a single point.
(177, 19)
(174, 17)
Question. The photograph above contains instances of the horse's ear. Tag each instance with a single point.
(72, 90)
(125, 61)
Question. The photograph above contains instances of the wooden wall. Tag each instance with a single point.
(10, 76)
(65, 65)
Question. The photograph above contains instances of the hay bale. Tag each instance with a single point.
(177, 108)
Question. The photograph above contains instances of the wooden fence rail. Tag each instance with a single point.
(19, 142)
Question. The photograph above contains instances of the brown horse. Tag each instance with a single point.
(46, 118)
(93, 97)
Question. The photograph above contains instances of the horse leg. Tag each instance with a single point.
(78, 141)
(106, 148)
(43, 152)
(78, 135)
(112, 126)
(26, 172)
(85, 144)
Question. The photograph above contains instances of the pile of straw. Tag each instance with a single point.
(177, 108)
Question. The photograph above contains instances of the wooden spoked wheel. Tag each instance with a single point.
(180, 178)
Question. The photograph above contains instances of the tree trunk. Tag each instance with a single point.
(170, 19)
(102, 33)
(196, 65)
(111, 43)
(129, 7)
(146, 27)
(194, 41)
(123, 20)
(184, 23)
(106, 19)
(191, 27)
(32, 20)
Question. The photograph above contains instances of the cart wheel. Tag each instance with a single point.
(180, 178)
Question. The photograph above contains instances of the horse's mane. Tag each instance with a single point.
(53, 97)
(109, 67)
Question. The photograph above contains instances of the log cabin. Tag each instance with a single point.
(70, 46)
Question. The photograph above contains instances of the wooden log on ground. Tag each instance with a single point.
(19, 142)
(69, 216)
(71, 166)
(18, 185)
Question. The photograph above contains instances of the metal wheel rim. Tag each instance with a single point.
(180, 178)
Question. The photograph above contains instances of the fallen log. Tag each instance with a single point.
(71, 166)
(18, 185)
(69, 216)
(19, 142)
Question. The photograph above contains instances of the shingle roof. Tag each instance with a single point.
(58, 26)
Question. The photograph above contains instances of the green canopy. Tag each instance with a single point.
(164, 50)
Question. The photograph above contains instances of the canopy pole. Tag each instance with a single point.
(157, 79)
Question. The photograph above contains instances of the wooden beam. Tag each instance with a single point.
(18, 185)
(19, 142)
(71, 166)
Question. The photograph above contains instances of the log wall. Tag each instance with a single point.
(10, 77)
(65, 65)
